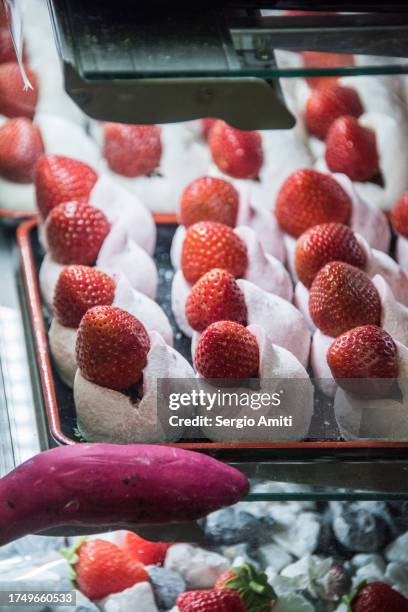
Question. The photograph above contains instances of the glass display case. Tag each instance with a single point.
(323, 94)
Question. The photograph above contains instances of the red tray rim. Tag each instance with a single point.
(32, 290)
(22, 215)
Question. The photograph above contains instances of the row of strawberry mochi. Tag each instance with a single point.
(263, 290)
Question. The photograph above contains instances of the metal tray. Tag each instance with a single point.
(57, 399)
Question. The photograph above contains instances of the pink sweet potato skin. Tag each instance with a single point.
(107, 484)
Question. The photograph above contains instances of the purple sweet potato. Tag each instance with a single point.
(104, 485)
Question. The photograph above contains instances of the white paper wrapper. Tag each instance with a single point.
(394, 316)
(120, 255)
(16, 196)
(48, 277)
(282, 322)
(125, 212)
(105, 415)
(382, 419)
(64, 137)
(318, 358)
(264, 270)
(62, 346)
(277, 365)
(402, 252)
(143, 308)
(366, 218)
(379, 263)
(301, 301)
(392, 136)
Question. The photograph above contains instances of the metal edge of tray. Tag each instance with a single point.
(304, 449)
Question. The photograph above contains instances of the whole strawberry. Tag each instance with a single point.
(100, 568)
(148, 553)
(78, 289)
(252, 586)
(75, 233)
(132, 150)
(376, 597)
(15, 101)
(342, 297)
(352, 149)
(236, 153)
(308, 198)
(326, 104)
(213, 600)
(364, 353)
(209, 199)
(399, 215)
(21, 146)
(61, 179)
(215, 297)
(112, 347)
(209, 245)
(324, 243)
(227, 350)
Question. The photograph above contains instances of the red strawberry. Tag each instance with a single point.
(215, 297)
(78, 289)
(21, 146)
(102, 568)
(227, 350)
(236, 153)
(323, 243)
(61, 179)
(132, 150)
(209, 199)
(148, 553)
(7, 52)
(308, 198)
(377, 597)
(75, 233)
(14, 100)
(207, 125)
(209, 245)
(366, 352)
(352, 149)
(342, 297)
(112, 347)
(252, 586)
(213, 600)
(399, 215)
(317, 59)
(327, 104)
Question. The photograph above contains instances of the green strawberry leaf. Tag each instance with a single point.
(71, 555)
(348, 599)
(253, 588)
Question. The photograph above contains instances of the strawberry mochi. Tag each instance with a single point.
(23, 142)
(124, 249)
(372, 370)
(183, 158)
(328, 242)
(209, 245)
(119, 365)
(219, 296)
(80, 288)
(216, 199)
(232, 350)
(309, 198)
(391, 316)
